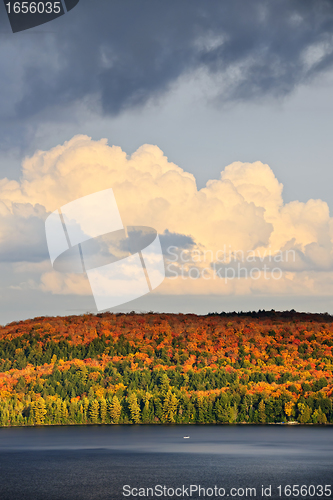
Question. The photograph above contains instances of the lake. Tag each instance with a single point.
(119, 462)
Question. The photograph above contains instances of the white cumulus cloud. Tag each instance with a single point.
(242, 211)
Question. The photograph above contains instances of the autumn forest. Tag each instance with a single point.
(264, 367)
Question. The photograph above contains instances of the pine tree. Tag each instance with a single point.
(102, 410)
(57, 410)
(164, 384)
(202, 407)
(134, 407)
(94, 411)
(146, 415)
(79, 415)
(73, 410)
(115, 410)
(82, 374)
(64, 412)
(262, 413)
(170, 405)
(85, 403)
(146, 398)
(4, 414)
(222, 409)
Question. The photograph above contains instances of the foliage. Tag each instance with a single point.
(161, 368)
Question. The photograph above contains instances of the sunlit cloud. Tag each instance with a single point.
(241, 215)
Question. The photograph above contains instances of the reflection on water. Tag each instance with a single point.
(94, 462)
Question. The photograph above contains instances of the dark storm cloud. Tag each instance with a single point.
(120, 54)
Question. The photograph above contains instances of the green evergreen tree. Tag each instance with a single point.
(164, 384)
(85, 408)
(261, 411)
(94, 411)
(134, 408)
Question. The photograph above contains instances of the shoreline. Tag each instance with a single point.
(174, 424)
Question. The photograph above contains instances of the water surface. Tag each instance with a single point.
(95, 462)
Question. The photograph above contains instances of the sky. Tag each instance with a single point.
(211, 121)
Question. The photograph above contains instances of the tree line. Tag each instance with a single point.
(160, 368)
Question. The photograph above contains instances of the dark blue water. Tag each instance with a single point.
(96, 462)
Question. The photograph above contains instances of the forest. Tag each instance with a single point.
(256, 368)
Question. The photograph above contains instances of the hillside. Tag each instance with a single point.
(260, 367)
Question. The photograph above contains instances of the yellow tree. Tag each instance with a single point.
(57, 410)
(145, 413)
(146, 398)
(170, 405)
(134, 408)
(64, 411)
(39, 411)
(102, 410)
(94, 411)
(115, 410)
(288, 408)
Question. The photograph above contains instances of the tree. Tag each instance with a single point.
(223, 410)
(261, 411)
(20, 386)
(230, 364)
(85, 404)
(102, 410)
(115, 410)
(94, 411)
(39, 411)
(200, 403)
(4, 413)
(319, 417)
(134, 407)
(64, 412)
(164, 384)
(170, 407)
(288, 408)
(304, 413)
(146, 414)
(233, 413)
